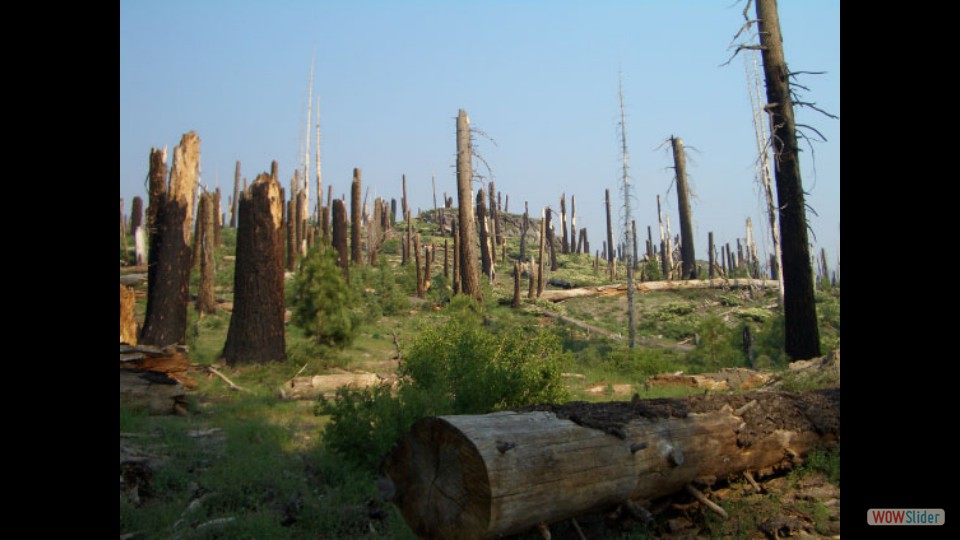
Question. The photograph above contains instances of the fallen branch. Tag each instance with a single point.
(749, 476)
(706, 502)
(233, 386)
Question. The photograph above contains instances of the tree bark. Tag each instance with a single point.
(802, 336)
(356, 253)
(206, 300)
(256, 332)
(470, 278)
(486, 476)
(169, 258)
(136, 214)
(340, 236)
(688, 256)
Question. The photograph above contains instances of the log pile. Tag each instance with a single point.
(154, 378)
(484, 476)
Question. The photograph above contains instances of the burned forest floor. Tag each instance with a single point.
(248, 464)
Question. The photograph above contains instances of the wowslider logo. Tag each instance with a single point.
(901, 516)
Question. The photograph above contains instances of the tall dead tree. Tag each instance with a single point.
(356, 252)
(256, 326)
(711, 254)
(688, 257)
(494, 225)
(290, 222)
(404, 205)
(206, 300)
(609, 238)
(456, 257)
(802, 336)
(543, 245)
(168, 272)
(551, 241)
(470, 279)
(629, 226)
(236, 196)
(340, 236)
(136, 214)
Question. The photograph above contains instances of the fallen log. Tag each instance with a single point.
(313, 387)
(153, 391)
(725, 379)
(647, 286)
(168, 360)
(483, 476)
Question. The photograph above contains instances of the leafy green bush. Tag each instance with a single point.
(323, 305)
(455, 368)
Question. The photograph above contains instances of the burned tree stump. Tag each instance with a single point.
(168, 272)
(256, 326)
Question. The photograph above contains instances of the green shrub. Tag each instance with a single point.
(717, 345)
(323, 305)
(456, 368)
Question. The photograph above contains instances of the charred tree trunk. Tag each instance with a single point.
(416, 263)
(456, 257)
(136, 214)
(446, 260)
(356, 251)
(802, 337)
(206, 300)
(609, 238)
(486, 258)
(393, 212)
(236, 196)
(168, 272)
(157, 179)
(564, 240)
(488, 476)
(340, 236)
(404, 205)
(256, 325)
(688, 257)
(711, 251)
(552, 241)
(470, 279)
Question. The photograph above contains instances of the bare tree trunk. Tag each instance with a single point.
(609, 238)
(564, 240)
(429, 254)
(206, 300)
(525, 224)
(543, 245)
(470, 279)
(404, 204)
(136, 214)
(340, 236)
(802, 336)
(416, 263)
(256, 333)
(573, 224)
(356, 252)
(688, 257)
(516, 286)
(408, 239)
(531, 273)
(456, 257)
(494, 228)
(168, 273)
(711, 253)
(446, 260)
(393, 212)
(551, 241)
(290, 219)
(236, 196)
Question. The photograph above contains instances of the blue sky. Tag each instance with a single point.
(540, 78)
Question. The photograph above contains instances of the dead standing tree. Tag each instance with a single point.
(256, 326)
(485, 252)
(356, 251)
(206, 301)
(469, 277)
(802, 336)
(168, 272)
(610, 249)
(688, 257)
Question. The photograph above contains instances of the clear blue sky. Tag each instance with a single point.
(540, 78)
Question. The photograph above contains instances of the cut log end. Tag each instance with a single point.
(441, 481)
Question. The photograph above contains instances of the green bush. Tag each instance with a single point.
(323, 305)
(456, 368)
(717, 345)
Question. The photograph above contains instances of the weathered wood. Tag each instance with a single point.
(128, 325)
(311, 388)
(688, 257)
(155, 392)
(504, 473)
(470, 278)
(613, 290)
(256, 332)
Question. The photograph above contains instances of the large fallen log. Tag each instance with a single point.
(614, 290)
(503, 473)
(313, 387)
(153, 391)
